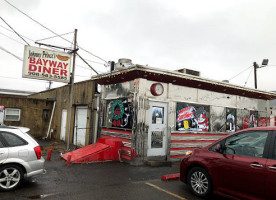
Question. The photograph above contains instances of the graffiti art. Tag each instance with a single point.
(192, 117)
(230, 119)
(121, 113)
(253, 119)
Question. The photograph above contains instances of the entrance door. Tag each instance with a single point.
(63, 124)
(157, 133)
(80, 126)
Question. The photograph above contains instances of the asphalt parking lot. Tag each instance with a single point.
(106, 180)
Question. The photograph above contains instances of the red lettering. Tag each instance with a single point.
(32, 60)
(55, 71)
(45, 62)
(65, 65)
(52, 63)
(45, 69)
(59, 65)
(39, 62)
(32, 68)
(39, 68)
(63, 72)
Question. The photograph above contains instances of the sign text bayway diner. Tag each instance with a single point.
(46, 64)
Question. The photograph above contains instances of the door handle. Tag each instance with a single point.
(270, 167)
(256, 165)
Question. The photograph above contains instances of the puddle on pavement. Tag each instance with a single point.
(40, 196)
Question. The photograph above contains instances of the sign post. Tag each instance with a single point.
(72, 88)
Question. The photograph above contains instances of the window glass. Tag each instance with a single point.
(13, 140)
(12, 114)
(1, 145)
(247, 144)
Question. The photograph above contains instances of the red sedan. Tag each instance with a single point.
(241, 165)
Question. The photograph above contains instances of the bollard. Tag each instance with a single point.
(68, 160)
(49, 154)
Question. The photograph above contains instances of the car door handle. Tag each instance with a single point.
(256, 165)
(270, 167)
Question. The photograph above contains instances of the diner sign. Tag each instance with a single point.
(46, 64)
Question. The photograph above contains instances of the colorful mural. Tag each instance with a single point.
(120, 112)
(230, 120)
(253, 119)
(192, 117)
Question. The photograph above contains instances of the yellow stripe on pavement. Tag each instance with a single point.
(158, 188)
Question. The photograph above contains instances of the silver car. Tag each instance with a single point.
(20, 157)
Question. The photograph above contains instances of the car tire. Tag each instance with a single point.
(11, 176)
(199, 182)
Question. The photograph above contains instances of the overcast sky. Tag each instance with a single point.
(219, 38)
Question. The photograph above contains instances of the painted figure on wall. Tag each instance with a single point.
(253, 119)
(121, 113)
(230, 119)
(192, 117)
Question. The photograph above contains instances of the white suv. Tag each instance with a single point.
(20, 157)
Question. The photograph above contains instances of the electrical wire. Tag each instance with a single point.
(55, 36)
(248, 77)
(11, 38)
(2, 48)
(52, 31)
(239, 73)
(15, 31)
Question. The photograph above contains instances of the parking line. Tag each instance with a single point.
(170, 193)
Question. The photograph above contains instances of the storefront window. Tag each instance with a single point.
(119, 113)
(192, 117)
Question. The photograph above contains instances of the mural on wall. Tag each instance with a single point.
(230, 120)
(253, 119)
(217, 119)
(192, 117)
(120, 113)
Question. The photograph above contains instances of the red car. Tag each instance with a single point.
(239, 166)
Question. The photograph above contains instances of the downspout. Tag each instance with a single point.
(53, 110)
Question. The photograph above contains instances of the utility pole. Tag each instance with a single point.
(256, 66)
(255, 73)
(72, 88)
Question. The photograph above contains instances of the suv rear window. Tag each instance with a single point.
(12, 140)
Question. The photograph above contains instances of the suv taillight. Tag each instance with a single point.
(38, 152)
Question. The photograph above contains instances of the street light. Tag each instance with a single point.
(256, 66)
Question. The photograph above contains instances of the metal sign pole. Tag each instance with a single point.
(72, 89)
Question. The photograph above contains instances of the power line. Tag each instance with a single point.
(239, 73)
(248, 77)
(11, 38)
(15, 31)
(55, 36)
(2, 48)
(52, 31)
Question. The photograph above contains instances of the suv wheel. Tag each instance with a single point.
(199, 181)
(10, 177)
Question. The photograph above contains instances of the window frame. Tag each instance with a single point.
(6, 144)
(19, 115)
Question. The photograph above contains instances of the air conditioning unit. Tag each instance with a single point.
(189, 71)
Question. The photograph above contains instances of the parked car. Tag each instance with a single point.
(240, 166)
(20, 157)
